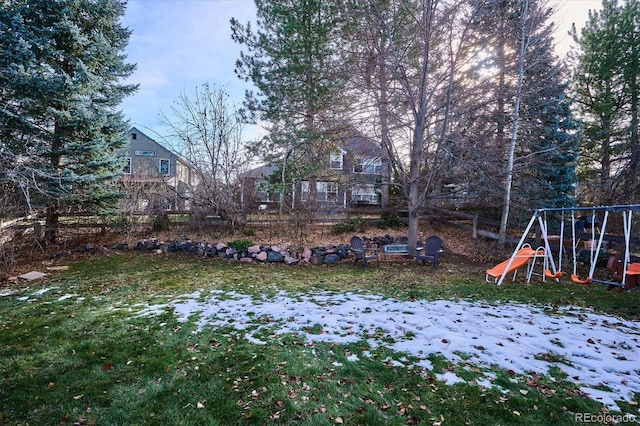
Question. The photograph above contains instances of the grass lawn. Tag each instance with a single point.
(141, 339)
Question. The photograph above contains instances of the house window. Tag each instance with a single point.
(134, 136)
(127, 166)
(327, 191)
(164, 166)
(336, 160)
(368, 165)
(365, 194)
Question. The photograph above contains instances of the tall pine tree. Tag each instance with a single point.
(607, 86)
(292, 60)
(546, 140)
(62, 75)
(549, 133)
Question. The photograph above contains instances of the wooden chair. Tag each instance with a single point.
(431, 250)
(362, 253)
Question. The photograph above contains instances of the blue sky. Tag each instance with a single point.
(181, 44)
(177, 46)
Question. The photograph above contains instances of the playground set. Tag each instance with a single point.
(621, 271)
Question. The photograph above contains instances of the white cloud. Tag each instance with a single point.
(178, 45)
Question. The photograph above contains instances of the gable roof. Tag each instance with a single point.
(362, 146)
(259, 172)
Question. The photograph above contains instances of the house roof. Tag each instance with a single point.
(259, 172)
(144, 137)
(361, 145)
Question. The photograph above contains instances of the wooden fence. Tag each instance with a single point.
(476, 225)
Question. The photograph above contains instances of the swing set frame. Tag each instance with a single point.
(550, 269)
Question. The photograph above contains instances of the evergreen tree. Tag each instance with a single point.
(545, 151)
(292, 61)
(606, 82)
(546, 170)
(61, 73)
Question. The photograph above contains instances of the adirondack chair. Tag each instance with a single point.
(431, 250)
(362, 253)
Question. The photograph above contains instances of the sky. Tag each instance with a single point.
(179, 45)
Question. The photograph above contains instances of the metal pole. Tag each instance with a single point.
(524, 236)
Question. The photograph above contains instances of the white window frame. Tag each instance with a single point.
(127, 166)
(368, 165)
(365, 194)
(168, 161)
(336, 160)
(327, 191)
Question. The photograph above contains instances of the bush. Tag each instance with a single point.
(390, 220)
(249, 232)
(240, 245)
(160, 222)
(350, 225)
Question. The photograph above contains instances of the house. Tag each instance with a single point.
(255, 193)
(154, 176)
(355, 174)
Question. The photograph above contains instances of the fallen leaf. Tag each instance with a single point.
(200, 405)
(524, 391)
(77, 397)
(276, 415)
(339, 420)
(401, 408)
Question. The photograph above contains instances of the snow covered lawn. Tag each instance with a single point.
(600, 353)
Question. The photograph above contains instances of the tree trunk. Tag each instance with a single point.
(383, 112)
(634, 141)
(514, 132)
(52, 224)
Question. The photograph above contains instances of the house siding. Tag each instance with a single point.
(145, 175)
(354, 188)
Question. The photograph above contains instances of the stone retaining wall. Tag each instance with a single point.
(328, 254)
(318, 255)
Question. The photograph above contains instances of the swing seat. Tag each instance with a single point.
(577, 280)
(549, 274)
(614, 266)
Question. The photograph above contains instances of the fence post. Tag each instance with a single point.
(475, 227)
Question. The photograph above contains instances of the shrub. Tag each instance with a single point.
(240, 245)
(160, 222)
(349, 225)
(249, 232)
(390, 220)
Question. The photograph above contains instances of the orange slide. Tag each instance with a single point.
(520, 259)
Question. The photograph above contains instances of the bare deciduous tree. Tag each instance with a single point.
(207, 130)
(411, 57)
